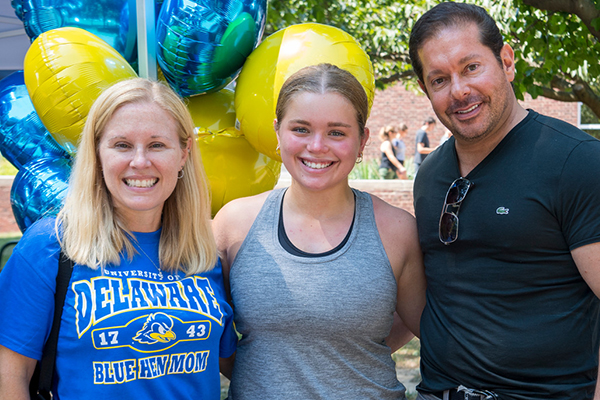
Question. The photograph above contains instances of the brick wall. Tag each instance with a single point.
(395, 105)
(396, 192)
(7, 220)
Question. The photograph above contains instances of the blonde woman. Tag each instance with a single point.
(390, 167)
(145, 315)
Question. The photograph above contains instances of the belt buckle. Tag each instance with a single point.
(474, 394)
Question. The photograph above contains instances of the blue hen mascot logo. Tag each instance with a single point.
(157, 328)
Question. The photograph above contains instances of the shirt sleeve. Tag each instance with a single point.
(229, 339)
(579, 193)
(27, 286)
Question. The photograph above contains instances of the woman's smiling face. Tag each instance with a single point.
(320, 139)
(140, 155)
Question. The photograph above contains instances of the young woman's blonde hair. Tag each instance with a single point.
(93, 234)
(385, 133)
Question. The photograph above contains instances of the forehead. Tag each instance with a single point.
(141, 117)
(452, 44)
(329, 104)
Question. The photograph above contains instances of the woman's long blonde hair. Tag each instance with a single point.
(92, 233)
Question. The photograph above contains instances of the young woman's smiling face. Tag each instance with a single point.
(319, 139)
(141, 155)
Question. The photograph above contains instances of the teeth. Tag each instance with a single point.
(469, 110)
(142, 183)
(316, 165)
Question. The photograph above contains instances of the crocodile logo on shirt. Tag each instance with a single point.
(502, 211)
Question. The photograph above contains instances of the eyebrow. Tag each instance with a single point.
(125, 137)
(463, 60)
(304, 122)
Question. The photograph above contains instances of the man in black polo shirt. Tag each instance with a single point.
(512, 308)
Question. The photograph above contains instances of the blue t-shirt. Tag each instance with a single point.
(400, 147)
(130, 331)
(420, 137)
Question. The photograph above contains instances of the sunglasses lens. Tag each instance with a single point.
(458, 191)
(448, 228)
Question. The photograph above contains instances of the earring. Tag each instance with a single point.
(360, 158)
(278, 150)
(180, 173)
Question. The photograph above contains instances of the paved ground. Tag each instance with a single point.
(410, 378)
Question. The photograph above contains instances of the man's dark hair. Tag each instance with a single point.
(429, 121)
(453, 14)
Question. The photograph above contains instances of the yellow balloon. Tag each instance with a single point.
(279, 56)
(214, 112)
(65, 70)
(234, 169)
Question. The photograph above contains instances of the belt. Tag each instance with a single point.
(462, 393)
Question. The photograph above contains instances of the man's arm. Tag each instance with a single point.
(424, 150)
(587, 259)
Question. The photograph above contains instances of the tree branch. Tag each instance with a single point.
(584, 9)
(396, 77)
(587, 96)
(559, 95)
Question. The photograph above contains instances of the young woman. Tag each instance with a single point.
(390, 167)
(145, 315)
(317, 270)
(399, 144)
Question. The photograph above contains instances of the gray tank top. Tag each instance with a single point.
(313, 328)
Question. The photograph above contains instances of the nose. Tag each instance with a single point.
(140, 159)
(317, 144)
(460, 87)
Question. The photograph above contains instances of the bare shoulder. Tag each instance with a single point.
(235, 218)
(392, 221)
(398, 232)
(231, 225)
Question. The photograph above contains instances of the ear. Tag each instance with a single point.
(365, 139)
(276, 130)
(507, 55)
(185, 152)
(423, 88)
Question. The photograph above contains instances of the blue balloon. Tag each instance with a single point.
(111, 20)
(39, 189)
(23, 136)
(202, 44)
(18, 6)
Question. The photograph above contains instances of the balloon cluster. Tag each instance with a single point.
(81, 47)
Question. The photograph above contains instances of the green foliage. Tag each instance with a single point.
(7, 243)
(7, 168)
(382, 27)
(556, 52)
(368, 169)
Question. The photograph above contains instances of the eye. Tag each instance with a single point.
(437, 82)
(472, 67)
(300, 129)
(157, 145)
(121, 145)
(337, 133)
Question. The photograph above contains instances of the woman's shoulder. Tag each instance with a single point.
(42, 233)
(38, 248)
(244, 206)
(238, 215)
(390, 219)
